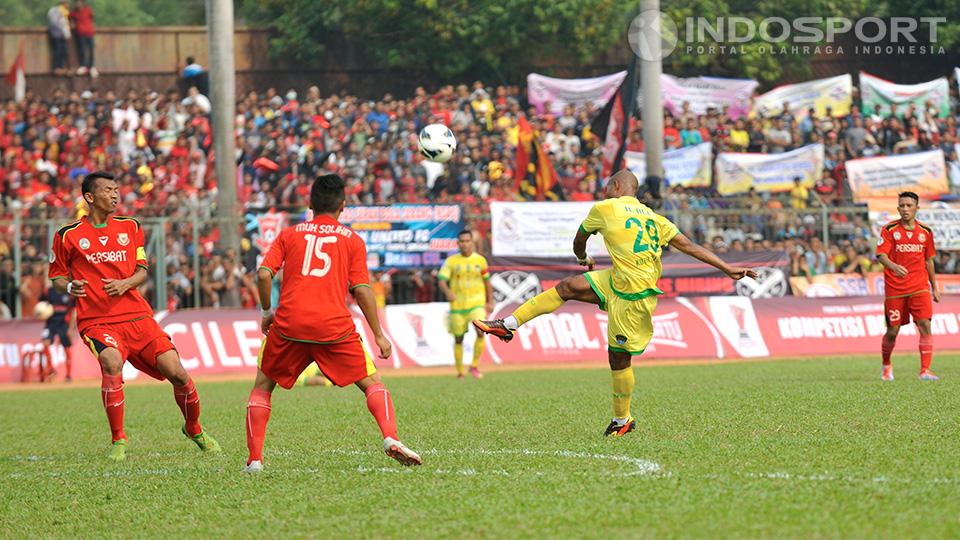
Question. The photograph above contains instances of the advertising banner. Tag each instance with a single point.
(691, 166)
(703, 92)
(834, 92)
(924, 173)
(720, 327)
(406, 235)
(737, 172)
(539, 229)
(876, 91)
(559, 93)
(839, 285)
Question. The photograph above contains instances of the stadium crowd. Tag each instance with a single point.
(160, 146)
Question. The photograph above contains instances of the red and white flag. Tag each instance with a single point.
(17, 77)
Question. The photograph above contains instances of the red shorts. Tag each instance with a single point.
(899, 310)
(344, 362)
(140, 342)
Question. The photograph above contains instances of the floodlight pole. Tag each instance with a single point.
(223, 102)
(650, 69)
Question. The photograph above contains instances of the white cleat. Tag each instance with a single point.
(887, 373)
(253, 467)
(401, 453)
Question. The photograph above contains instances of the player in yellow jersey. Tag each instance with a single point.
(466, 283)
(634, 236)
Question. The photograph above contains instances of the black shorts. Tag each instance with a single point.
(57, 329)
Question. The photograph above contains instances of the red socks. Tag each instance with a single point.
(189, 403)
(258, 414)
(68, 364)
(381, 407)
(926, 352)
(111, 390)
(886, 348)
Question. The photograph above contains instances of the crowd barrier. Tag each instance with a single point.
(718, 327)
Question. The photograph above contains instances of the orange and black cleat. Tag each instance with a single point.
(618, 429)
(494, 328)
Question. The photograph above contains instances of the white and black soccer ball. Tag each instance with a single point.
(437, 143)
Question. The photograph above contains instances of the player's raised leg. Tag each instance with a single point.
(188, 401)
(570, 288)
(258, 414)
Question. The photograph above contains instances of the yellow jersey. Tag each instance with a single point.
(467, 278)
(634, 235)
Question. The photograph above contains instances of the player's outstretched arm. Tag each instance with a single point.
(681, 243)
(368, 305)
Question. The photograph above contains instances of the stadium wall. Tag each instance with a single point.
(720, 327)
(135, 57)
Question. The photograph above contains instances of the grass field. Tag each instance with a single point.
(817, 448)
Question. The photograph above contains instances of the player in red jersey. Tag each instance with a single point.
(906, 251)
(100, 261)
(322, 261)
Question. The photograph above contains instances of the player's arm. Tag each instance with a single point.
(443, 281)
(117, 287)
(59, 272)
(932, 276)
(884, 246)
(368, 305)
(271, 264)
(683, 244)
(580, 249)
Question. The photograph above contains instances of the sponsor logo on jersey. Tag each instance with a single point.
(922, 237)
(107, 256)
(103, 240)
(84, 243)
(53, 257)
(880, 241)
(123, 239)
(909, 248)
(909, 234)
(896, 235)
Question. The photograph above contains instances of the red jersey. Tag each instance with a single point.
(113, 250)
(910, 249)
(322, 260)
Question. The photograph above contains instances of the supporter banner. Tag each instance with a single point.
(738, 172)
(544, 229)
(264, 228)
(943, 218)
(839, 285)
(834, 92)
(883, 177)
(406, 235)
(562, 92)
(703, 92)
(227, 341)
(876, 91)
(691, 166)
(520, 278)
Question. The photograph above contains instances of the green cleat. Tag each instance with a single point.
(119, 451)
(204, 441)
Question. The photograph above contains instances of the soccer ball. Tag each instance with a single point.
(437, 143)
(42, 311)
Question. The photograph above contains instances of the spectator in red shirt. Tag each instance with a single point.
(582, 193)
(81, 18)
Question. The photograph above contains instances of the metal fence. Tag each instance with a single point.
(189, 267)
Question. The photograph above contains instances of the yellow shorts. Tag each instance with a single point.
(630, 324)
(460, 319)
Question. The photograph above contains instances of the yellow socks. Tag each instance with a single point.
(546, 302)
(478, 346)
(622, 391)
(458, 357)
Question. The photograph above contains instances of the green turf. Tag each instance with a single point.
(817, 448)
